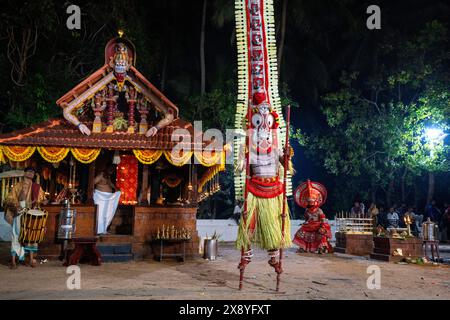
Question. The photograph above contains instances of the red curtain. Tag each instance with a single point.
(127, 179)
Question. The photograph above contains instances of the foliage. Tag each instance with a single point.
(376, 132)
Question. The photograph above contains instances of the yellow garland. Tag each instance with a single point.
(85, 155)
(208, 161)
(178, 161)
(147, 156)
(2, 157)
(53, 154)
(211, 172)
(18, 153)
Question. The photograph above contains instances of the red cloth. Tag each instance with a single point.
(35, 190)
(314, 235)
(265, 189)
(127, 179)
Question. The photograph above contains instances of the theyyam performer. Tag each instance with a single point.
(315, 234)
(261, 156)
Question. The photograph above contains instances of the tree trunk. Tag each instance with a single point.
(416, 193)
(389, 194)
(430, 194)
(403, 185)
(202, 52)
(373, 194)
(283, 33)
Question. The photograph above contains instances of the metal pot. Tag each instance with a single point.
(210, 249)
(430, 231)
(66, 228)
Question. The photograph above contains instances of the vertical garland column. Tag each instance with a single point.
(131, 98)
(111, 104)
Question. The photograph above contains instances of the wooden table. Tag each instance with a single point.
(434, 248)
(181, 254)
(85, 248)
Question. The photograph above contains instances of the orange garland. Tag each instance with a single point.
(53, 154)
(85, 155)
(147, 156)
(18, 153)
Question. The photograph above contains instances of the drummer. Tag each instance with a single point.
(25, 194)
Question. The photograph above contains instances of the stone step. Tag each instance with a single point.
(117, 257)
(114, 248)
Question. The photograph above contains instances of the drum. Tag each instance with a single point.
(32, 226)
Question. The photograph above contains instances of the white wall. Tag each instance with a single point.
(227, 229)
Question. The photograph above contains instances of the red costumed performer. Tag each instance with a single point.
(315, 233)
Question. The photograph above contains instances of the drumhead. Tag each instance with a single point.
(36, 212)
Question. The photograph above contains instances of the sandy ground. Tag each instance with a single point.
(306, 276)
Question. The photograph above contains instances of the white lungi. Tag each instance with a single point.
(16, 247)
(106, 208)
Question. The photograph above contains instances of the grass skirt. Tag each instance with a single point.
(264, 221)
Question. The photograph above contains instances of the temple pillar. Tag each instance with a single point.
(91, 185)
(144, 188)
(194, 184)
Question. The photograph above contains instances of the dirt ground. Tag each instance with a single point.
(306, 276)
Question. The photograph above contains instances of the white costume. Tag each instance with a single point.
(106, 208)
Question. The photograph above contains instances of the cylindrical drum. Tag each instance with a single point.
(67, 224)
(210, 249)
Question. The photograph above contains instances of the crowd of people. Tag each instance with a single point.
(394, 216)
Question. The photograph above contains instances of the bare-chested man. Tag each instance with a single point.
(25, 194)
(106, 197)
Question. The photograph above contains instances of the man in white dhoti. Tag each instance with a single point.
(106, 197)
(25, 194)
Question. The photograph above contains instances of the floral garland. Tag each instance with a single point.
(2, 156)
(18, 153)
(178, 161)
(208, 161)
(53, 154)
(172, 180)
(85, 155)
(147, 156)
(211, 172)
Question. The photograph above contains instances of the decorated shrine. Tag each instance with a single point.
(117, 117)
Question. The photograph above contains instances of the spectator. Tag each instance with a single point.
(446, 220)
(432, 212)
(237, 212)
(410, 213)
(357, 211)
(382, 217)
(373, 213)
(392, 218)
(401, 214)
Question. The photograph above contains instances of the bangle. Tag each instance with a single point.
(78, 125)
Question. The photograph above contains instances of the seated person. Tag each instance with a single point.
(392, 218)
(106, 197)
(315, 233)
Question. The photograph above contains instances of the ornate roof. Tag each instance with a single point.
(118, 75)
(58, 132)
